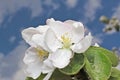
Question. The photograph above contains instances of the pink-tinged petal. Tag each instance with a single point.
(52, 41)
(69, 22)
(28, 33)
(77, 32)
(74, 30)
(61, 58)
(83, 45)
(59, 27)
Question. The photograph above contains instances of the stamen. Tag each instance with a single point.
(66, 41)
(42, 53)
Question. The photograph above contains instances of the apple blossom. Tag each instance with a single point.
(64, 39)
(36, 57)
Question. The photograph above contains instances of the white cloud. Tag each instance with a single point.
(71, 3)
(19, 75)
(36, 6)
(12, 6)
(11, 65)
(91, 8)
(116, 12)
(51, 3)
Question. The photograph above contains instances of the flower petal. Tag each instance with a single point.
(73, 29)
(48, 66)
(42, 29)
(83, 45)
(33, 62)
(31, 56)
(69, 22)
(48, 62)
(38, 40)
(48, 21)
(61, 58)
(52, 41)
(77, 32)
(34, 70)
(28, 33)
(59, 27)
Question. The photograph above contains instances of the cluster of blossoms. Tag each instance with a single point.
(53, 45)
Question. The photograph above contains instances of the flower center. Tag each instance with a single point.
(66, 41)
(42, 53)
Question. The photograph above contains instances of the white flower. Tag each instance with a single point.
(37, 56)
(35, 36)
(64, 39)
(53, 45)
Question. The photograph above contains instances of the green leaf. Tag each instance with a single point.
(77, 62)
(98, 65)
(112, 56)
(57, 75)
(29, 78)
(115, 75)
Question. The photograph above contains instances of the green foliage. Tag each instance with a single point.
(98, 66)
(57, 75)
(112, 56)
(115, 74)
(29, 78)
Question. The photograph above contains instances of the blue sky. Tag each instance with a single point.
(15, 15)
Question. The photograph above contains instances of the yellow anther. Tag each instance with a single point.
(66, 41)
(42, 53)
